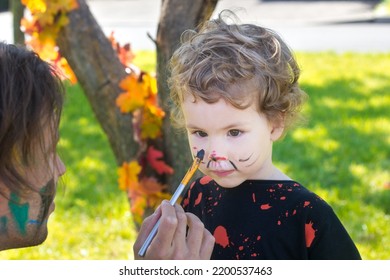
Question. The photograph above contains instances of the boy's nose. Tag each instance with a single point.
(61, 169)
(215, 157)
(217, 149)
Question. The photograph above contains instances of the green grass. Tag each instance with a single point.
(342, 153)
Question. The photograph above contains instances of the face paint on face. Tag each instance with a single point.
(23, 218)
(237, 142)
(47, 194)
(3, 225)
(19, 212)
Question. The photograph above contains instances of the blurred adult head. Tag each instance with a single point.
(31, 100)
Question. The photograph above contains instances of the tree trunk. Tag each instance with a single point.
(176, 17)
(17, 14)
(99, 71)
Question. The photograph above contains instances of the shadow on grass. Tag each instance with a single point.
(344, 145)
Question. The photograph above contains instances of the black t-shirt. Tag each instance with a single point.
(264, 219)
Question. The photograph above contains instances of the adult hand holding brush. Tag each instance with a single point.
(170, 233)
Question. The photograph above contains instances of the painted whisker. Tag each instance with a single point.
(244, 160)
(235, 167)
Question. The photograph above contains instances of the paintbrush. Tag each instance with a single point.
(191, 171)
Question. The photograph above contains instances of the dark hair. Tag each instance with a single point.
(31, 100)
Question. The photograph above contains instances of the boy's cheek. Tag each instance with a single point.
(195, 145)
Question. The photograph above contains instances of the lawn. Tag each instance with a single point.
(341, 152)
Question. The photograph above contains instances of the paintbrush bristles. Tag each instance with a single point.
(200, 154)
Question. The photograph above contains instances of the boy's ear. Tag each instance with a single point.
(277, 128)
(276, 132)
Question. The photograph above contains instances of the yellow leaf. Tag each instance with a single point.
(151, 125)
(128, 175)
(45, 19)
(35, 6)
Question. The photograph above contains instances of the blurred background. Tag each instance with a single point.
(342, 152)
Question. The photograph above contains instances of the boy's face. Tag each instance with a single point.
(237, 142)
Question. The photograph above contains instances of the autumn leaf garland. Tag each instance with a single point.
(140, 99)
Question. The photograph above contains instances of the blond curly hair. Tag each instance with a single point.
(241, 63)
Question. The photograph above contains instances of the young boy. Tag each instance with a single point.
(235, 88)
(31, 99)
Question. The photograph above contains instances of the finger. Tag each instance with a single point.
(145, 229)
(195, 233)
(162, 242)
(207, 246)
(179, 240)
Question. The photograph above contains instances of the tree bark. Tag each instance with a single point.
(176, 17)
(17, 15)
(99, 71)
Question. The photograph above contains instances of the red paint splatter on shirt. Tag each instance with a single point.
(279, 223)
(309, 233)
(205, 180)
(186, 202)
(221, 236)
(258, 238)
(306, 203)
(265, 206)
(241, 248)
(254, 197)
(198, 199)
(282, 198)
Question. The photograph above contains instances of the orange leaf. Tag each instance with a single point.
(128, 103)
(154, 158)
(67, 70)
(151, 186)
(155, 200)
(125, 54)
(137, 209)
(133, 84)
(128, 175)
(135, 94)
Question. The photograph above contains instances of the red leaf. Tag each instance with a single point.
(154, 158)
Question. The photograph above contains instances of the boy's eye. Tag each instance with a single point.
(234, 132)
(200, 133)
